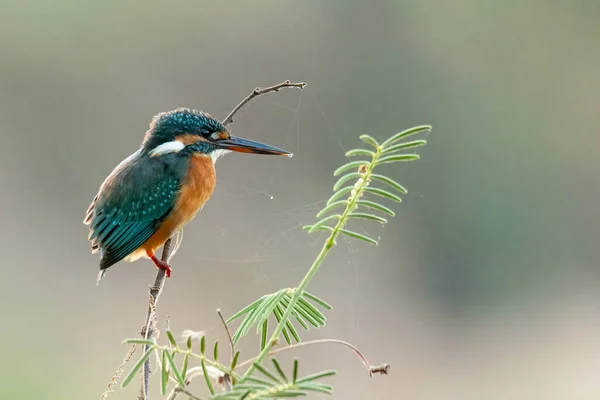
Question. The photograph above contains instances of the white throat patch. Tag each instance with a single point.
(215, 154)
(166, 148)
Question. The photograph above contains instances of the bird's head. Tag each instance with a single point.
(186, 131)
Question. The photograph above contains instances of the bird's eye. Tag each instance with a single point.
(204, 131)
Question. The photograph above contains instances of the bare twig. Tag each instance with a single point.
(257, 92)
(228, 333)
(382, 369)
(150, 325)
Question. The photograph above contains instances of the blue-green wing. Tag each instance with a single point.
(130, 207)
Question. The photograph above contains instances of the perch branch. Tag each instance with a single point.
(257, 92)
(150, 325)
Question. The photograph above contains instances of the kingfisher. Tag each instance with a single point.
(157, 190)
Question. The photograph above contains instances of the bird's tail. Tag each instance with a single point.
(100, 276)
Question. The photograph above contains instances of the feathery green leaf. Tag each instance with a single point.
(350, 165)
(235, 360)
(376, 206)
(314, 377)
(295, 374)
(341, 192)
(176, 372)
(279, 370)
(404, 146)
(314, 312)
(267, 373)
(172, 339)
(263, 334)
(397, 158)
(216, 351)
(207, 378)
(164, 373)
(320, 228)
(148, 342)
(369, 140)
(317, 300)
(137, 367)
(285, 333)
(368, 216)
(405, 133)
(359, 236)
(391, 182)
(349, 176)
(184, 368)
(244, 310)
(383, 193)
(322, 222)
(289, 325)
(331, 207)
(360, 153)
(302, 312)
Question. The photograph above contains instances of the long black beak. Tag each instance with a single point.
(242, 145)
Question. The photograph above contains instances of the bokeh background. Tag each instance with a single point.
(486, 285)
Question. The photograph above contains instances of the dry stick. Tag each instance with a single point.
(228, 333)
(155, 290)
(257, 92)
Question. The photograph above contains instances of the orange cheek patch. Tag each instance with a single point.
(188, 139)
(224, 135)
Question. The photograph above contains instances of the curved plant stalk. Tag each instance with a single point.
(384, 153)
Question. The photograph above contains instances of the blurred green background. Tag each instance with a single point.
(486, 285)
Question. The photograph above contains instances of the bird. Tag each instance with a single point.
(153, 193)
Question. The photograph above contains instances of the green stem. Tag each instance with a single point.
(329, 243)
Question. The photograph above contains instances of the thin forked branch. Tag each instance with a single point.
(257, 92)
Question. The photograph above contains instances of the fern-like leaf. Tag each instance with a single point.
(397, 158)
(383, 193)
(276, 304)
(404, 146)
(276, 384)
(389, 181)
(360, 152)
(348, 177)
(359, 236)
(368, 216)
(404, 134)
(349, 166)
(369, 140)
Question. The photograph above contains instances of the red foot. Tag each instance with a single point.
(161, 265)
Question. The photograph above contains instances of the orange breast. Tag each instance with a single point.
(196, 189)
